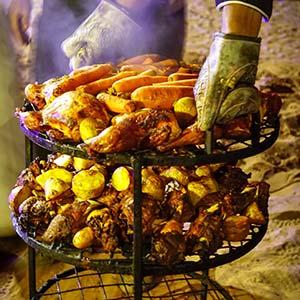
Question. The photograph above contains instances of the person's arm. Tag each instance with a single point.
(264, 7)
(19, 17)
(240, 20)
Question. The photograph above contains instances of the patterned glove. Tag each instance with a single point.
(225, 86)
(107, 34)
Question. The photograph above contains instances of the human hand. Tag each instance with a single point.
(225, 86)
(107, 34)
(19, 20)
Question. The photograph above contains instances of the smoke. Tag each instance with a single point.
(101, 35)
(59, 19)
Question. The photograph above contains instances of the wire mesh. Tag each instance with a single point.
(82, 284)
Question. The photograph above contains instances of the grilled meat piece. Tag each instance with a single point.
(104, 224)
(150, 212)
(168, 246)
(205, 234)
(70, 220)
(35, 212)
(147, 128)
(231, 179)
(178, 207)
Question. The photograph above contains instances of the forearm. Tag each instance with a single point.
(240, 20)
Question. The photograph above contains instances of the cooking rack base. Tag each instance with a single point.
(83, 284)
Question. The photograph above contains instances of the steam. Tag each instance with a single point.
(81, 39)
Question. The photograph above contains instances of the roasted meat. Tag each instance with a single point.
(168, 246)
(178, 207)
(205, 235)
(66, 111)
(146, 128)
(104, 225)
(35, 212)
(69, 221)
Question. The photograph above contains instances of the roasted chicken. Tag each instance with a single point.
(146, 128)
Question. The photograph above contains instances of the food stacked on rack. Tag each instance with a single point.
(185, 211)
(145, 102)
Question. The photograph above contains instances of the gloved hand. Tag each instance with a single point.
(225, 86)
(107, 34)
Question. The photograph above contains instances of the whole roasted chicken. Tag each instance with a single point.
(147, 128)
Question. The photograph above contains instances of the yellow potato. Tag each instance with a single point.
(185, 110)
(90, 127)
(83, 238)
(177, 174)
(121, 178)
(196, 191)
(55, 187)
(88, 184)
(58, 173)
(210, 183)
(153, 186)
(63, 160)
(82, 164)
(236, 228)
(203, 171)
(254, 214)
(17, 196)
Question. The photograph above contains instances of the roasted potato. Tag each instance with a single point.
(122, 178)
(17, 196)
(58, 173)
(154, 186)
(254, 214)
(236, 228)
(82, 164)
(196, 191)
(185, 111)
(88, 184)
(83, 238)
(90, 127)
(54, 187)
(63, 160)
(210, 183)
(177, 174)
(203, 171)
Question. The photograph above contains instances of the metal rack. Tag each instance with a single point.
(265, 135)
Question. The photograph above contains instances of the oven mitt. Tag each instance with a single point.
(225, 86)
(106, 35)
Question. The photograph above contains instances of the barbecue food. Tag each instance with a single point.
(139, 130)
(83, 238)
(66, 111)
(88, 184)
(41, 94)
(205, 234)
(79, 203)
(168, 244)
(160, 97)
(104, 225)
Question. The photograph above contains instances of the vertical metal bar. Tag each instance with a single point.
(209, 141)
(255, 129)
(204, 282)
(31, 273)
(137, 237)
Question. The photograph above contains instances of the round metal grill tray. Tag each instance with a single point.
(104, 263)
(264, 135)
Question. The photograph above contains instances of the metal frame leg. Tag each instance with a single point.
(137, 241)
(31, 273)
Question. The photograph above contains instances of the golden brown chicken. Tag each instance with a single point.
(147, 128)
(66, 111)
